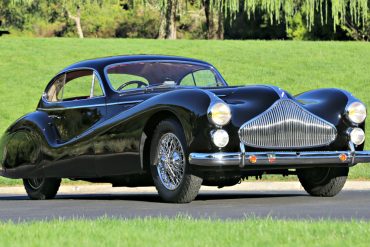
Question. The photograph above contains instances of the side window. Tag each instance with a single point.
(82, 84)
(188, 80)
(97, 88)
(205, 78)
(55, 89)
(200, 78)
(117, 80)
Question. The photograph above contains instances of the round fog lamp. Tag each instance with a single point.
(220, 138)
(357, 136)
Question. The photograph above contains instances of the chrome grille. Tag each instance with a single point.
(287, 125)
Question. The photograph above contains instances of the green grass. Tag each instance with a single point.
(26, 66)
(185, 232)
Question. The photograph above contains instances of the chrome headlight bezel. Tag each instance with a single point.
(356, 112)
(219, 113)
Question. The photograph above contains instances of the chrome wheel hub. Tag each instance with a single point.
(170, 161)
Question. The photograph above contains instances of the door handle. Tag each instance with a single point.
(55, 117)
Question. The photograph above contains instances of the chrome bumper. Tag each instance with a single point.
(245, 159)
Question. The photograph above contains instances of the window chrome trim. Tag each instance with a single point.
(92, 86)
(90, 106)
(44, 99)
(157, 61)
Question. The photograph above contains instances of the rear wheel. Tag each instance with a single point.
(169, 164)
(41, 188)
(325, 182)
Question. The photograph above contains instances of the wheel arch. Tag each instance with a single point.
(22, 143)
(148, 132)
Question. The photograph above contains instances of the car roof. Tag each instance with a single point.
(101, 63)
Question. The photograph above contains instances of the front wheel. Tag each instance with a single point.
(169, 164)
(325, 182)
(41, 188)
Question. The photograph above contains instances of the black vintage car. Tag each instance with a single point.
(174, 123)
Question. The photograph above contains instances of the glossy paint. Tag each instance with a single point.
(106, 139)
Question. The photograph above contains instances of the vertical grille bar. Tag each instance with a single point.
(287, 125)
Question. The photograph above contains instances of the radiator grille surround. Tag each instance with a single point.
(287, 125)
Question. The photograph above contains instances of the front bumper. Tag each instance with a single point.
(280, 159)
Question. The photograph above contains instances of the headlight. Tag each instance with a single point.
(220, 138)
(357, 136)
(356, 112)
(220, 114)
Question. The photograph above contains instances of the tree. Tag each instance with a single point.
(77, 20)
(279, 10)
(168, 23)
(66, 6)
(208, 12)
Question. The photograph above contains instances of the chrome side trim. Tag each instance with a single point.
(91, 106)
(279, 158)
(125, 102)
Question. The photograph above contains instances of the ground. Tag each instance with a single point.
(250, 214)
(278, 200)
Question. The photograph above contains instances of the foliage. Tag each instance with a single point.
(302, 19)
(279, 10)
(357, 31)
(297, 29)
(102, 18)
(257, 26)
(138, 23)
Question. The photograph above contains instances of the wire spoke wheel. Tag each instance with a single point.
(41, 188)
(170, 161)
(169, 166)
(35, 183)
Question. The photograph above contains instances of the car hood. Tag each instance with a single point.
(249, 101)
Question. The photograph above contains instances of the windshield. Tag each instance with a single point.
(143, 74)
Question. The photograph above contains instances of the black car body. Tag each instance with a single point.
(104, 132)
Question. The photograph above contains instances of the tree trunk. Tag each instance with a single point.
(220, 28)
(168, 23)
(77, 20)
(208, 11)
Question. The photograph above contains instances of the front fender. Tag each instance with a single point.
(330, 104)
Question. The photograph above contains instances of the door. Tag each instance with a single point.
(75, 104)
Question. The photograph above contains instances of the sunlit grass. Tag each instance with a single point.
(185, 232)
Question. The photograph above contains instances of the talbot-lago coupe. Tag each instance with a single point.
(175, 123)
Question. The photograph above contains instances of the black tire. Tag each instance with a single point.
(188, 187)
(44, 188)
(324, 182)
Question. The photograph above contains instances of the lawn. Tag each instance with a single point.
(26, 65)
(185, 232)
